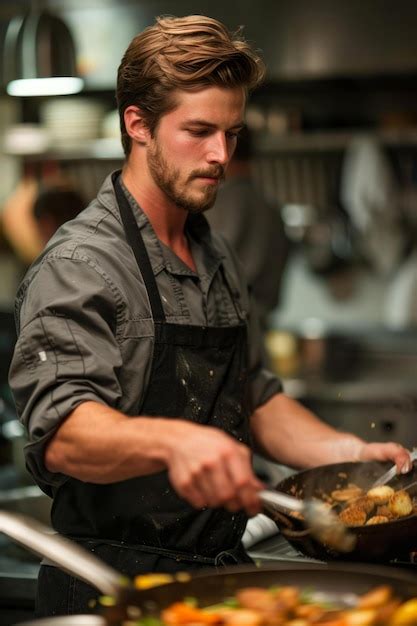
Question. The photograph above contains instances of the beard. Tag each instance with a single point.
(168, 178)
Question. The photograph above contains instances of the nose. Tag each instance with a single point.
(218, 149)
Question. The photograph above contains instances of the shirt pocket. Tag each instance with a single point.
(49, 342)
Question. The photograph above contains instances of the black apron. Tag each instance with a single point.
(141, 525)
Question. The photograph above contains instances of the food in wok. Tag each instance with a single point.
(357, 507)
(376, 506)
(289, 606)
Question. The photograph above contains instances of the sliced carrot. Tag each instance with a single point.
(182, 613)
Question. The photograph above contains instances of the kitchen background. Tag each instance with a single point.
(335, 132)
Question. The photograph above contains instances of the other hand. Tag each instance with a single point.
(387, 452)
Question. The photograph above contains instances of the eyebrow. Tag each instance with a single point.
(206, 124)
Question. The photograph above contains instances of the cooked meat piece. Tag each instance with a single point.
(384, 510)
(360, 617)
(377, 519)
(275, 618)
(311, 612)
(243, 617)
(385, 613)
(287, 597)
(366, 503)
(256, 598)
(378, 596)
(353, 516)
(380, 495)
(400, 504)
(348, 493)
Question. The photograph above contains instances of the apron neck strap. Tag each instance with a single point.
(135, 240)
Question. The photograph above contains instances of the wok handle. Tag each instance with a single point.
(62, 552)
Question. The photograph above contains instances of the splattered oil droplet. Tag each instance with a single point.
(211, 373)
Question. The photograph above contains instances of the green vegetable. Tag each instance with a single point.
(107, 600)
(228, 603)
(307, 596)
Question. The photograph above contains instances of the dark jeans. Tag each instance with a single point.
(60, 594)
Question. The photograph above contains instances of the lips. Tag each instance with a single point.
(214, 175)
(208, 179)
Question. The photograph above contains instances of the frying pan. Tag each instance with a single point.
(379, 542)
(337, 581)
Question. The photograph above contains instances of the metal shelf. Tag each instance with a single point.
(332, 141)
(99, 149)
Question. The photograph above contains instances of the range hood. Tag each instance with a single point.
(300, 39)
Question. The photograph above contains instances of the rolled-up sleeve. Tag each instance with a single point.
(66, 353)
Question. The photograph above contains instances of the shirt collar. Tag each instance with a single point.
(207, 256)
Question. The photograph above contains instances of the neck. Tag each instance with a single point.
(166, 217)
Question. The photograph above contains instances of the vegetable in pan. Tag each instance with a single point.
(290, 606)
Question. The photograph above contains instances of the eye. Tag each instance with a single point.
(232, 134)
(199, 133)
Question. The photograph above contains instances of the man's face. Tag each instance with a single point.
(193, 144)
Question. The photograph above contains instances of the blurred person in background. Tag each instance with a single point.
(253, 227)
(54, 206)
(35, 211)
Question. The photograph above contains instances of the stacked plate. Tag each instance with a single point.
(25, 139)
(72, 121)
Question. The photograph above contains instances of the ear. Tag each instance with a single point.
(135, 125)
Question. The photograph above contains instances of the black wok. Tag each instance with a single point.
(337, 581)
(380, 542)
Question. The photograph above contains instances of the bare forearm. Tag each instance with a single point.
(286, 431)
(205, 466)
(98, 444)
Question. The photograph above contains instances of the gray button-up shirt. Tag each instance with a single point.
(85, 329)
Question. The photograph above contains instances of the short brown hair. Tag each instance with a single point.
(187, 53)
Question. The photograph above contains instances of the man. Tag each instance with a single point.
(137, 368)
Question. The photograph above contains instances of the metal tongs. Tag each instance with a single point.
(392, 472)
(323, 523)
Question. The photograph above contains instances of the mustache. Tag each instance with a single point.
(216, 172)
